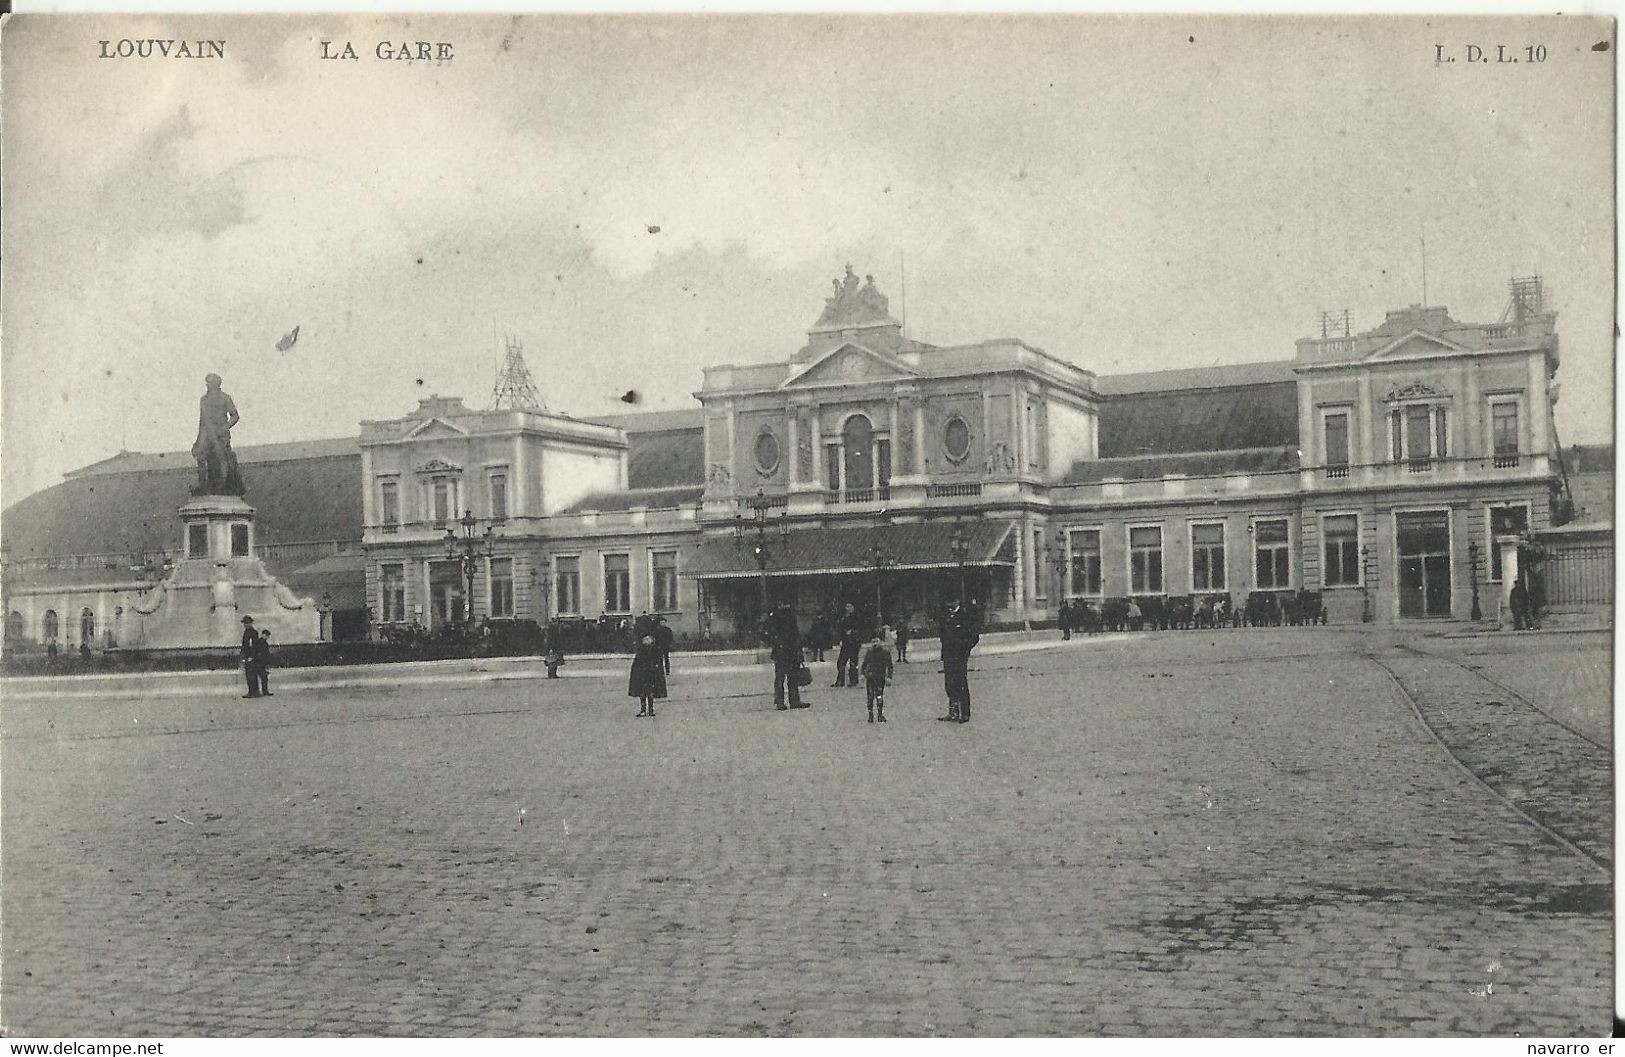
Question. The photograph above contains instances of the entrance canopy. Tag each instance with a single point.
(807, 552)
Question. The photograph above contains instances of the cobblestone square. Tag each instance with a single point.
(1288, 832)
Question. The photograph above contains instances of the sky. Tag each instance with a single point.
(633, 198)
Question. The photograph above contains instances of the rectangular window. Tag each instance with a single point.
(392, 593)
(197, 541)
(239, 541)
(1396, 431)
(617, 583)
(567, 585)
(1085, 548)
(1273, 553)
(501, 588)
(1145, 560)
(1207, 558)
(499, 497)
(832, 467)
(1504, 433)
(389, 502)
(664, 576)
(443, 503)
(1041, 571)
(1441, 436)
(882, 464)
(1505, 521)
(1418, 434)
(1337, 445)
(1342, 544)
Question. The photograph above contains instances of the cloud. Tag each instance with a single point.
(154, 183)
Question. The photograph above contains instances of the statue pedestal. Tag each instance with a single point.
(219, 581)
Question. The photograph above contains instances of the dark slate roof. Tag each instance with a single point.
(921, 545)
(341, 577)
(651, 498)
(653, 421)
(1194, 420)
(1216, 377)
(667, 458)
(1589, 458)
(309, 498)
(132, 461)
(1191, 464)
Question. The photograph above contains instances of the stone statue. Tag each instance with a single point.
(217, 472)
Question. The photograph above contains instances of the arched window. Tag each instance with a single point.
(50, 625)
(87, 625)
(857, 443)
(14, 626)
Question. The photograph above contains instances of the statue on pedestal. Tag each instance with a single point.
(217, 472)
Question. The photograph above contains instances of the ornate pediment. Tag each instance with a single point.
(1414, 391)
(439, 466)
(851, 364)
(1416, 345)
(436, 427)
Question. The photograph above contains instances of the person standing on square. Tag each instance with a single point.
(249, 653)
(647, 680)
(877, 669)
(262, 662)
(846, 662)
(784, 643)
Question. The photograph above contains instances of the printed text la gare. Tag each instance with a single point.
(393, 51)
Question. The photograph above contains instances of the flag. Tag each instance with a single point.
(287, 340)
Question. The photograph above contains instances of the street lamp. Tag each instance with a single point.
(880, 561)
(1366, 616)
(1472, 561)
(542, 577)
(959, 544)
(760, 526)
(468, 547)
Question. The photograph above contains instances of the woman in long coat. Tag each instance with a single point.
(648, 679)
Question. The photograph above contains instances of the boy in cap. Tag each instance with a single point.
(877, 668)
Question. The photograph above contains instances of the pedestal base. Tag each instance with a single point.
(206, 595)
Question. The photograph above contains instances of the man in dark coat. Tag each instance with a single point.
(850, 628)
(664, 637)
(961, 630)
(818, 636)
(784, 641)
(250, 657)
(262, 662)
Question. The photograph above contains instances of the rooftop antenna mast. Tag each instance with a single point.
(1424, 238)
(514, 387)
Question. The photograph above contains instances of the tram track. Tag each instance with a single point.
(1518, 789)
(1504, 688)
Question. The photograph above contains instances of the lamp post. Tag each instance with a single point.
(880, 561)
(468, 547)
(756, 532)
(1472, 561)
(959, 544)
(542, 577)
(1366, 615)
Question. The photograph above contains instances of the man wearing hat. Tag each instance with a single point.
(784, 640)
(250, 653)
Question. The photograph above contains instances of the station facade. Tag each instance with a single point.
(1385, 471)
(1388, 472)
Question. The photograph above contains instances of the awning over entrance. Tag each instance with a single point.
(927, 545)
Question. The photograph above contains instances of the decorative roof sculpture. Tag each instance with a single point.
(854, 304)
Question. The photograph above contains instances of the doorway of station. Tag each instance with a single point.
(1424, 563)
